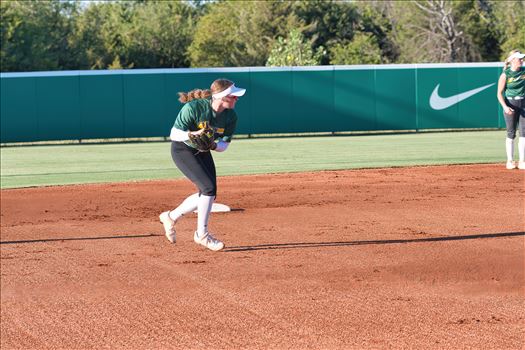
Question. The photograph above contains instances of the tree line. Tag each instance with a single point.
(80, 35)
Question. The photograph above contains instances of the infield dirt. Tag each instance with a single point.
(418, 258)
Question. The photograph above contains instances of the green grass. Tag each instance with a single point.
(72, 164)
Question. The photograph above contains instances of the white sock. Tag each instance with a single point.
(203, 211)
(187, 206)
(521, 149)
(509, 147)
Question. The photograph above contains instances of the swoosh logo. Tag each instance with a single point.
(438, 103)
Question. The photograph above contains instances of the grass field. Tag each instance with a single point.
(93, 163)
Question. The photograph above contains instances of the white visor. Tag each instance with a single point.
(516, 55)
(231, 90)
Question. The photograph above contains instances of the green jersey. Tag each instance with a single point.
(199, 110)
(515, 82)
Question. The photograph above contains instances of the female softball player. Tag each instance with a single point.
(205, 123)
(511, 96)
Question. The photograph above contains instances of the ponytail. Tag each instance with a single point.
(193, 94)
(217, 86)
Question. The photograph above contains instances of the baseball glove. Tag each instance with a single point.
(203, 138)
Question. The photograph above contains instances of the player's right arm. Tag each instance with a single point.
(502, 83)
(181, 127)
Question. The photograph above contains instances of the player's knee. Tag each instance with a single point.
(511, 134)
(511, 131)
(209, 190)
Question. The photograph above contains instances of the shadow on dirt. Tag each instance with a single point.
(350, 243)
(293, 245)
(44, 240)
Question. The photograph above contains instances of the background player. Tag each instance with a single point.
(511, 96)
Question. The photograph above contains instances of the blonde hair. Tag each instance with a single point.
(507, 60)
(216, 87)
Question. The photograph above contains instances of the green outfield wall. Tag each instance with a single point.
(79, 105)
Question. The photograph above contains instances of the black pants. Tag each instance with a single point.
(518, 117)
(196, 166)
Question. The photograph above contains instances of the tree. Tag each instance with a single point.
(161, 33)
(239, 33)
(476, 19)
(71, 34)
(374, 21)
(35, 35)
(363, 49)
(326, 23)
(294, 51)
(510, 28)
(427, 31)
(452, 31)
(341, 27)
(102, 35)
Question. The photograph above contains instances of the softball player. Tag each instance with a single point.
(216, 108)
(511, 96)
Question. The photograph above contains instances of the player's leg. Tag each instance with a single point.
(521, 140)
(169, 218)
(187, 161)
(199, 168)
(208, 193)
(511, 122)
(189, 205)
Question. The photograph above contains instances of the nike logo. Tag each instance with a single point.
(438, 103)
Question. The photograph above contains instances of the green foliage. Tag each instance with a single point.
(456, 31)
(363, 49)
(374, 20)
(514, 41)
(238, 33)
(294, 51)
(35, 35)
(509, 26)
(102, 36)
(135, 35)
(161, 33)
(413, 35)
(61, 35)
(475, 18)
(326, 23)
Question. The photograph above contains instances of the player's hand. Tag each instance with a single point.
(508, 110)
